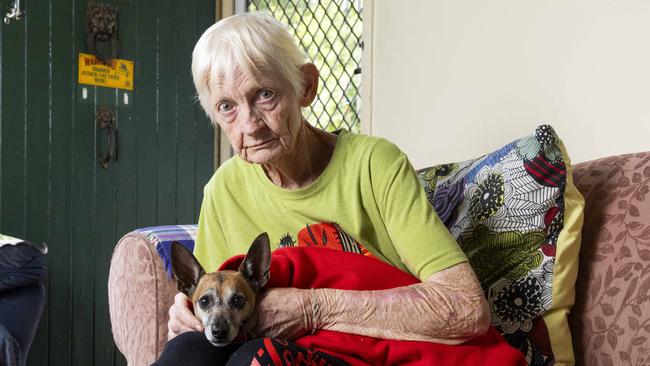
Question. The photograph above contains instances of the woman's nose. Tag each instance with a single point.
(250, 120)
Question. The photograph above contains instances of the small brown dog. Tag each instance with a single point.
(223, 300)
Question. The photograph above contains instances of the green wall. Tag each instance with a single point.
(52, 188)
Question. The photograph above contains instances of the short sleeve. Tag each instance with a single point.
(210, 246)
(420, 238)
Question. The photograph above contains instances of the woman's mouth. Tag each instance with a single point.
(259, 144)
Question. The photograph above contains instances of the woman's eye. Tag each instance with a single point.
(224, 107)
(204, 302)
(266, 94)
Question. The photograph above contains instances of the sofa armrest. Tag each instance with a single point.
(139, 296)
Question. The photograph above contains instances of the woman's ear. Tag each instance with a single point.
(310, 77)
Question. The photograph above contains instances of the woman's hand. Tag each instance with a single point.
(283, 313)
(181, 317)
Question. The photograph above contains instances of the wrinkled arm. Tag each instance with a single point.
(449, 307)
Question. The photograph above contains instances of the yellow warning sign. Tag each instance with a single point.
(117, 73)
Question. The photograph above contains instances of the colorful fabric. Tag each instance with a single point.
(276, 352)
(368, 200)
(517, 217)
(163, 236)
(306, 267)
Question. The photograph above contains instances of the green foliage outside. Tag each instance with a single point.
(330, 32)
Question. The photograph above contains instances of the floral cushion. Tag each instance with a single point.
(517, 215)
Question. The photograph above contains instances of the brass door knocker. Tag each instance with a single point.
(101, 26)
(106, 120)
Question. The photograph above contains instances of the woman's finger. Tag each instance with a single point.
(176, 326)
(181, 317)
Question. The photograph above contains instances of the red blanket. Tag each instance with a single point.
(302, 267)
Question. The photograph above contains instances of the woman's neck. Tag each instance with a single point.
(311, 153)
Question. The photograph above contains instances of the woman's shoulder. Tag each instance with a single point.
(233, 169)
(374, 148)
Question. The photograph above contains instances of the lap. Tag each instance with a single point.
(192, 348)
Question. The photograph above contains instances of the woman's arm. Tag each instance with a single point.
(449, 307)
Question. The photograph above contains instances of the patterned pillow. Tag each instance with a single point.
(517, 215)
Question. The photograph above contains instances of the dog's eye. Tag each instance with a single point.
(204, 302)
(237, 301)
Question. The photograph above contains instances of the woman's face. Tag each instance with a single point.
(260, 116)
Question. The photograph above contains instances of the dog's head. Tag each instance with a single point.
(223, 300)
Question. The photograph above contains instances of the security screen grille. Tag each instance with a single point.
(330, 33)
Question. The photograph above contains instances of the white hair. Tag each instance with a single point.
(254, 43)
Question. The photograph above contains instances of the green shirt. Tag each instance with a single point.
(367, 200)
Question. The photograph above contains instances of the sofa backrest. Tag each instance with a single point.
(610, 321)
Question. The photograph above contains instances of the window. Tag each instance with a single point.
(330, 32)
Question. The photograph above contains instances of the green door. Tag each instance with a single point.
(54, 190)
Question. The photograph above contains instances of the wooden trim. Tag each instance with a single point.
(227, 8)
(366, 67)
(222, 148)
(225, 150)
(216, 151)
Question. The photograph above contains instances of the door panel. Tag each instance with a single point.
(53, 188)
(57, 316)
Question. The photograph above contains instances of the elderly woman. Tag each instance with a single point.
(252, 80)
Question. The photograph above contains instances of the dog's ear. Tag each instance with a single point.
(257, 264)
(186, 269)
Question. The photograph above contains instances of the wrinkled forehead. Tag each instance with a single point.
(243, 80)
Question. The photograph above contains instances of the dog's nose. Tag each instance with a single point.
(219, 332)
